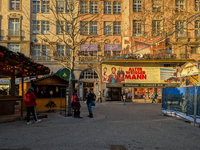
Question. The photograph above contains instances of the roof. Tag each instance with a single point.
(18, 64)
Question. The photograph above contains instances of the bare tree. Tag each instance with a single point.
(76, 24)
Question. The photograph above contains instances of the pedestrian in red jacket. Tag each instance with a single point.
(30, 103)
(76, 104)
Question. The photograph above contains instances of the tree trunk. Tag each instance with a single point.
(70, 88)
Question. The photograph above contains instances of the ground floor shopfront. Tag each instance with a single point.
(133, 92)
(138, 80)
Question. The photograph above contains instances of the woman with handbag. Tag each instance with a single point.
(76, 104)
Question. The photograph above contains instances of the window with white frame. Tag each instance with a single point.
(14, 4)
(116, 7)
(14, 27)
(60, 27)
(45, 27)
(89, 74)
(94, 28)
(156, 28)
(137, 5)
(156, 5)
(68, 51)
(107, 7)
(112, 7)
(46, 52)
(180, 5)
(178, 25)
(45, 6)
(36, 50)
(116, 53)
(84, 28)
(60, 6)
(60, 52)
(14, 48)
(107, 53)
(137, 28)
(93, 7)
(84, 53)
(68, 28)
(117, 28)
(36, 6)
(69, 6)
(197, 28)
(84, 7)
(108, 28)
(92, 53)
(197, 5)
(112, 28)
(194, 50)
(36, 27)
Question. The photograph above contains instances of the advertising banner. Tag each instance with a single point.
(129, 74)
(121, 74)
(89, 47)
(112, 47)
(140, 45)
(179, 102)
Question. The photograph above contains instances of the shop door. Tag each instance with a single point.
(87, 86)
(116, 94)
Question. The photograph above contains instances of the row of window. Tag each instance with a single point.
(110, 28)
(157, 28)
(92, 6)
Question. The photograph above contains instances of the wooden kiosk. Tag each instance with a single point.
(14, 65)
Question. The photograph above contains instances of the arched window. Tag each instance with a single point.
(89, 74)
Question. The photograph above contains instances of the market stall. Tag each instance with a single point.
(13, 65)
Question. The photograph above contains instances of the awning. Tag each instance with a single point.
(112, 47)
(89, 47)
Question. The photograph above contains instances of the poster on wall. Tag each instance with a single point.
(127, 45)
(170, 74)
(121, 74)
(179, 102)
(142, 45)
(189, 69)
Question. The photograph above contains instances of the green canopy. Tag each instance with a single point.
(65, 73)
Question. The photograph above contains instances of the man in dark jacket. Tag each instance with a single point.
(90, 98)
(30, 103)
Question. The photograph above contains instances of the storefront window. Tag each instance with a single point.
(158, 92)
(143, 93)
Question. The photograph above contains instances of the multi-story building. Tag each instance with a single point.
(41, 29)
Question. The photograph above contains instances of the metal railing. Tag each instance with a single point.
(13, 32)
(41, 58)
(89, 58)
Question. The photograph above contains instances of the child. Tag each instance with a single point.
(121, 78)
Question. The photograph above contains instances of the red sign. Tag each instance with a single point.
(136, 73)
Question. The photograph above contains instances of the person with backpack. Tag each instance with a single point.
(30, 103)
(76, 104)
(90, 98)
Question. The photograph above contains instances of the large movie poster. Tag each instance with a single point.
(141, 45)
(179, 102)
(121, 74)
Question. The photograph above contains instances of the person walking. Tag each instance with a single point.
(30, 103)
(99, 97)
(76, 104)
(153, 97)
(90, 98)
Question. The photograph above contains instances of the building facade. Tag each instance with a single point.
(42, 30)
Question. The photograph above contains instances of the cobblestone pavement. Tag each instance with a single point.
(135, 125)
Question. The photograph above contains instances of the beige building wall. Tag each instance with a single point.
(7, 37)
